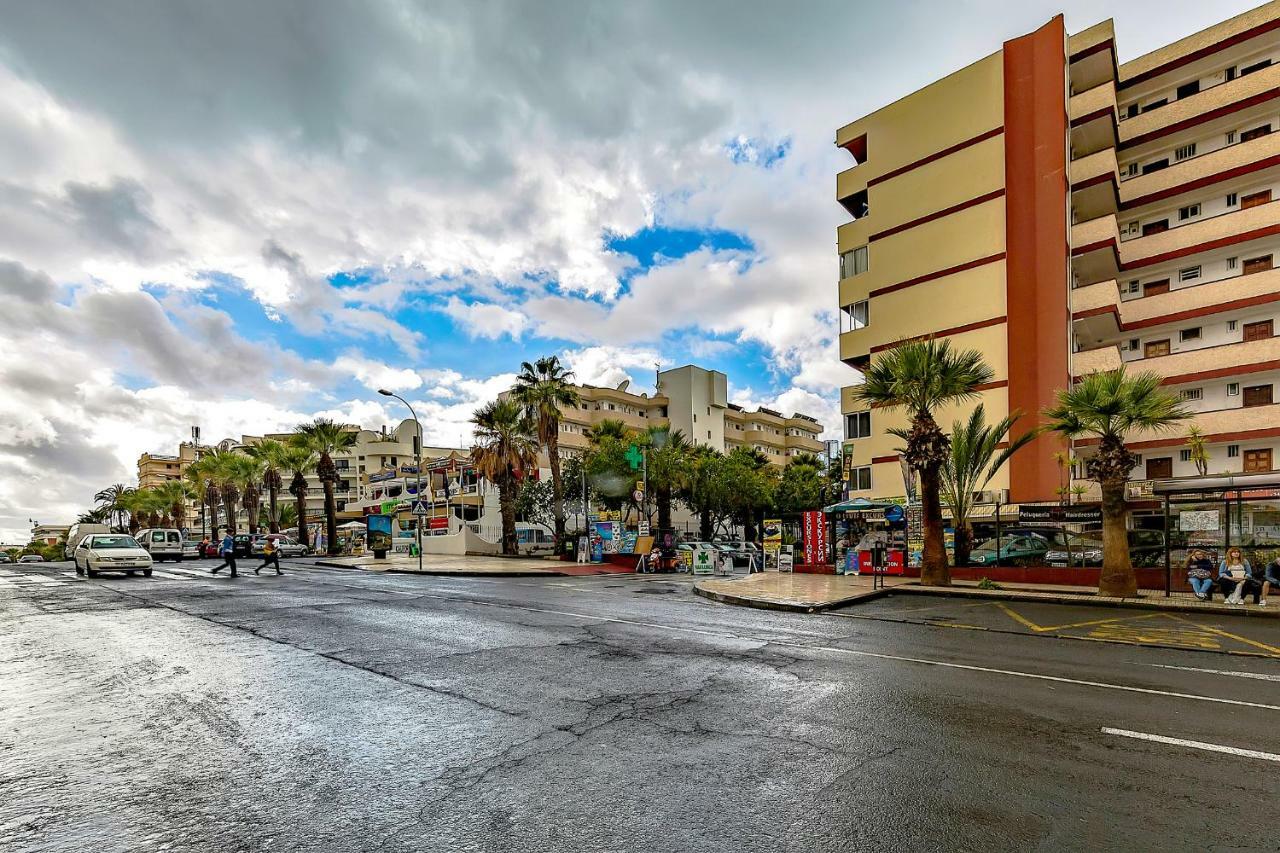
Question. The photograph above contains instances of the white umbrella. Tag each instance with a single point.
(352, 525)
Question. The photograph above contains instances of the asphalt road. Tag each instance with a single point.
(338, 710)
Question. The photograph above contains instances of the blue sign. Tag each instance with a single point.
(893, 514)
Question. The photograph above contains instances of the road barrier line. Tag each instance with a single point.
(1194, 744)
(1257, 675)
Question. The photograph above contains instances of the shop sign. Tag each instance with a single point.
(703, 562)
(1057, 514)
(815, 537)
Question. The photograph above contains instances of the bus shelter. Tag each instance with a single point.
(1216, 513)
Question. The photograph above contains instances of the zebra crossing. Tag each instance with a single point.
(13, 579)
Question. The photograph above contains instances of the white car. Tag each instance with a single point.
(111, 552)
(31, 558)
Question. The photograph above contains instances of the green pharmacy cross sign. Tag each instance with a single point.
(633, 456)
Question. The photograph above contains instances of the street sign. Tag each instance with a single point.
(638, 494)
(420, 508)
(642, 528)
(634, 457)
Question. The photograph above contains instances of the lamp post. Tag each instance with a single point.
(417, 467)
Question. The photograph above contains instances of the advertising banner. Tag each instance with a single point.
(1199, 520)
(772, 531)
(815, 537)
(1058, 514)
(379, 532)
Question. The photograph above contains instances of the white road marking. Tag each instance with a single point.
(171, 575)
(1257, 675)
(882, 656)
(1194, 744)
(42, 579)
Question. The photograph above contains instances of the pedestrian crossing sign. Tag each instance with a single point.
(420, 508)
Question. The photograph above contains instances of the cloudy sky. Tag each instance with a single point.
(244, 213)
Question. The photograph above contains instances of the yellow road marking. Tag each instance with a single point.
(1270, 649)
(1027, 623)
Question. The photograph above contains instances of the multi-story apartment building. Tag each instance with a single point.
(696, 402)
(155, 469)
(1064, 214)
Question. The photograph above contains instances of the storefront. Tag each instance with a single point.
(858, 526)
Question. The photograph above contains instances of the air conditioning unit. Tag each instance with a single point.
(991, 496)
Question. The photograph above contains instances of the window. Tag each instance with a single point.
(854, 316)
(1257, 66)
(1230, 74)
(1233, 199)
(1188, 212)
(1189, 274)
(1233, 451)
(853, 262)
(1231, 325)
(1131, 111)
(1231, 137)
(1233, 389)
(1189, 394)
(1134, 344)
(1154, 105)
(1184, 455)
(1184, 151)
(860, 479)
(1131, 170)
(1134, 287)
(857, 425)
(1192, 334)
(1188, 89)
(1254, 133)
(1155, 166)
(1232, 262)
(1137, 459)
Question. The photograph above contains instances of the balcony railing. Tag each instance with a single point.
(1156, 120)
(1218, 422)
(1092, 101)
(1211, 163)
(1221, 357)
(1096, 360)
(1149, 249)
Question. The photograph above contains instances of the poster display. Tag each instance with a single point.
(628, 543)
(380, 535)
(915, 535)
(814, 525)
(772, 531)
(1196, 520)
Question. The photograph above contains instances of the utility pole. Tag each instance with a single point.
(417, 467)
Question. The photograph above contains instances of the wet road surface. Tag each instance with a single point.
(342, 710)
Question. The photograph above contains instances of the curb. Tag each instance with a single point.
(542, 573)
(1122, 604)
(765, 604)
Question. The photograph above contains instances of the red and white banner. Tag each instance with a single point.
(814, 526)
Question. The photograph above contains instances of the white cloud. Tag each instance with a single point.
(606, 366)
(376, 375)
(485, 320)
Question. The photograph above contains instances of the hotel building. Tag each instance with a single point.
(1065, 214)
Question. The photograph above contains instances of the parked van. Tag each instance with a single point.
(535, 539)
(77, 533)
(163, 543)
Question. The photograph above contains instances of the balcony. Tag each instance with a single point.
(1092, 53)
(1093, 120)
(1209, 360)
(803, 442)
(1176, 242)
(1093, 184)
(1094, 253)
(855, 347)
(1096, 360)
(1152, 310)
(1155, 123)
(1095, 312)
(1163, 183)
(848, 402)
(850, 183)
(1219, 422)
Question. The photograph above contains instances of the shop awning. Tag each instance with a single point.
(859, 505)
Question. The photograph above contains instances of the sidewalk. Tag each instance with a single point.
(471, 566)
(813, 593)
(801, 593)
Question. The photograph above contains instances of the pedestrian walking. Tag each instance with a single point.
(270, 555)
(228, 551)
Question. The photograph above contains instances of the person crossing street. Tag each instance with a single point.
(228, 551)
(270, 555)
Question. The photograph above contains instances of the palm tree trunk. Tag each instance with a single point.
(229, 504)
(507, 504)
(934, 570)
(704, 524)
(557, 493)
(275, 512)
(964, 542)
(663, 498)
(1117, 578)
(300, 503)
(330, 518)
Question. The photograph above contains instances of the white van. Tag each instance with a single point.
(77, 532)
(163, 543)
(535, 539)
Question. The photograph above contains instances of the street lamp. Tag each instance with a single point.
(417, 467)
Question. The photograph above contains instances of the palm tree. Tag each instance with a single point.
(247, 472)
(1108, 406)
(975, 458)
(920, 377)
(172, 495)
(94, 516)
(196, 477)
(704, 488)
(609, 428)
(271, 454)
(289, 518)
(506, 442)
(1199, 453)
(324, 438)
(109, 499)
(668, 468)
(542, 388)
(301, 461)
(221, 467)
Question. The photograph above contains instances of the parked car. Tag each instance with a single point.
(191, 549)
(288, 547)
(535, 538)
(243, 544)
(162, 543)
(111, 552)
(1146, 548)
(1013, 551)
(4, 558)
(742, 553)
(31, 558)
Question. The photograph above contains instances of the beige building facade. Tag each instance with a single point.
(1063, 214)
